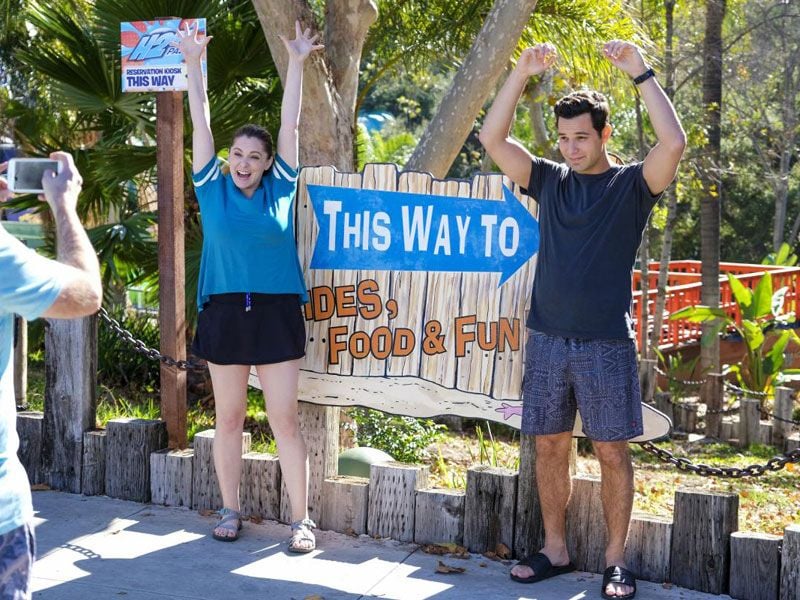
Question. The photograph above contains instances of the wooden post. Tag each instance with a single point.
(755, 566)
(647, 550)
(586, 528)
(712, 393)
(702, 526)
(729, 429)
(69, 399)
(663, 402)
(528, 525)
(439, 517)
(171, 477)
(765, 433)
(320, 428)
(489, 508)
(647, 377)
(790, 563)
(689, 418)
(171, 269)
(29, 430)
(205, 487)
(782, 410)
(345, 502)
(392, 498)
(260, 489)
(749, 422)
(129, 444)
(21, 361)
(93, 477)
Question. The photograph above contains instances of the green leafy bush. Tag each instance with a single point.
(405, 438)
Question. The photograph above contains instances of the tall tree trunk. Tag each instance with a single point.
(532, 99)
(710, 204)
(445, 134)
(330, 85)
(672, 203)
(644, 249)
(791, 88)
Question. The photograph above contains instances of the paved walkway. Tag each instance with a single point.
(100, 548)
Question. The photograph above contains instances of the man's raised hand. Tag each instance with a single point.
(537, 59)
(625, 56)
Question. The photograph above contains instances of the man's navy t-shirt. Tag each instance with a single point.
(590, 228)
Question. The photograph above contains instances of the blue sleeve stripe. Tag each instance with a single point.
(209, 171)
(283, 170)
(211, 175)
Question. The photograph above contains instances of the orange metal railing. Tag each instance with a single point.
(683, 289)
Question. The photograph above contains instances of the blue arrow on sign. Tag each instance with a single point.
(397, 231)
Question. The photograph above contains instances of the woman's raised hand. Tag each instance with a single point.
(189, 44)
(303, 43)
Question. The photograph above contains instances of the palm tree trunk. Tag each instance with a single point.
(710, 204)
(446, 132)
(672, 205)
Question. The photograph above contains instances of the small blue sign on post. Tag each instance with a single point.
(150, 60)
(396, 231)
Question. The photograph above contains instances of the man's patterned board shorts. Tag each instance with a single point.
(597, 377)
(17, 553)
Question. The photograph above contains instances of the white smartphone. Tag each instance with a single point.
(25, 174)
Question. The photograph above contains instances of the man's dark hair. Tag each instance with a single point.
(584, 101)
(255, 131)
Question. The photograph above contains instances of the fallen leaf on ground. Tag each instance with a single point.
(314, 597)
(206, 512)
(40, 487)
(443, 568)
(351, 532)
(441, 549)
(502, 551)
(491, 555)
(256, 519)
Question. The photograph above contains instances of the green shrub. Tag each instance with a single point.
(405, 438)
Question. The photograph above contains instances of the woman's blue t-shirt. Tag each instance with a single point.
(248, 243)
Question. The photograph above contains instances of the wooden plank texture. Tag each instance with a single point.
(171, 477)
(69, 399)
(345, 503)
(702, 525)
(489, 508)
(129, 444)
(755, 566)
(93, 474)
(171, 261)
(392, 499)
(439, 517)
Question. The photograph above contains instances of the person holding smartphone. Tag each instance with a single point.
(34, 286)
(251, 286)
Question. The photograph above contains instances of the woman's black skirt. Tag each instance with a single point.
(271, 331)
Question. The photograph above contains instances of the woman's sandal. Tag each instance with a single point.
(301, 534)
(231, 521)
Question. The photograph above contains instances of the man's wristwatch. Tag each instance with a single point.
(644, 76)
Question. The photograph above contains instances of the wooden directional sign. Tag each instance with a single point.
(418, 293)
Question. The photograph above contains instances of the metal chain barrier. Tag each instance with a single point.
(709, 411)
(775, 463)
(782, 420)
(141, 348)
(689, 382)
(740, 391)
